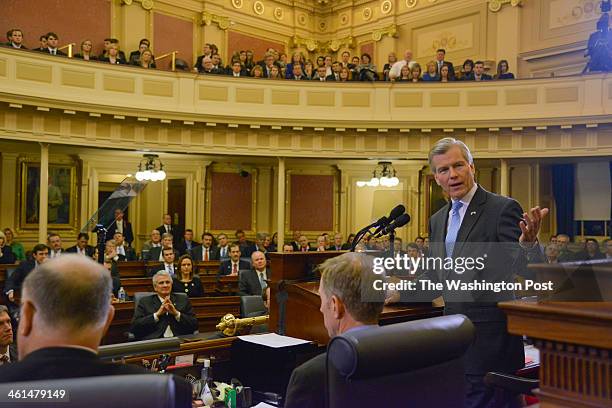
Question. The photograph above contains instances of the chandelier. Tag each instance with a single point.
(150, 168)
(383, 175)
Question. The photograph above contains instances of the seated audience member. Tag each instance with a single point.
(237, 70)
(478, 74)
(223, 250)
(112, 56)
(346, 60)
(503, 70)
(65, 311)
(207, 52)
(405, 75)
(111, 267)
(552, 253)
(86, 51)
(391, 59)
(339, 244)
(241, 239)
(124, 252)
(257, 72)
(355, 68)
(120, 53)
(267, 64)
(340, 289)
(296, 59)
(253, 281)
(591, 251)
(345, 75)
(163, 314)
(271, 243)
(52, 43)
(304, 245)
(398, 246)
(43, 44)
(82, 246)
(55, 245)
(187, 244)
(207, 67)
(16, 247)
(6, 253)
(296, 240)
(146, 60)
(8, 350)
(298, 74)
(321, 245)
(234, 265)
(259, 245)
(367, 70)
(122, 225)
(185, 282)
(169, 256)
(155, 254)
(441, 61)
(445, 74)
(275, 73)
(467, 70)
(565, 255)
(217, 64)
(15, 39)
(12, 286)
(336, 70)
(153, 242)
(144, 44)
(320, 75)
(111, 257)
(349, 240)
(420, 241)
(432, 72)
(288, 248)
(396, 68)
(206, 251)
(608, 248)
(415, 73)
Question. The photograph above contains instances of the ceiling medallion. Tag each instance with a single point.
(344, 19)
(258, 8)
(237, 3)
(278, 13)
(386, 7)
(322, 25)
(147, 4)
(302, 19)
(367, 13)
(411, 3)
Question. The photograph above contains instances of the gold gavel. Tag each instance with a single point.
(229, 325)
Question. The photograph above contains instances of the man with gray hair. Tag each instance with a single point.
(163, 314)
(345, 308)
(8, 353)
(65, 310)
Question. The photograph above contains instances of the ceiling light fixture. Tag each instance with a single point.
(150, 168)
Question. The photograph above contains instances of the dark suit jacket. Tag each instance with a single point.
(177, 233)
(213, 253)
(118, 60)
(152, 271)
(130, 254)
(154, 253)
(181, 247)
(343, 247)
(248, 283)
(306, 388)
(7, 257)
(89, 250)
(471, 77)
(47, 51)
(144, 326)
(191, 289)
(225, 268)
(128, 233)
(491, 221)
(227, 252)
(15, 281)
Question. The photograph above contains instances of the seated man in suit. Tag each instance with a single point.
(304, 245)
(187, 244)
(206, 251)
(15, 39)
(223, 250)
(169, 256)
(55, 245)
(253, 281)
(155, 254)
(296, 241)
(232, 266)
(248, 250)
(478, 73)
(344, 310)
(82, 247)
(52, 43)
(124, 252)
(154, 242)
(8, 352)
(163, 314)
(339, 244)
(12, 286)
(121, 225)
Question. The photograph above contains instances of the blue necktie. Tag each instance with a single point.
(453, 228)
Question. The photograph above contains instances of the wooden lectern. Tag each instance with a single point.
(291, 272)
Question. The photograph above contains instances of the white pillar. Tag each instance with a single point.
(504, 188)
(280, 220)
(43, 196)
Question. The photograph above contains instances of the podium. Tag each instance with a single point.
(293, 277)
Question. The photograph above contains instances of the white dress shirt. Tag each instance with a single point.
(396, 69)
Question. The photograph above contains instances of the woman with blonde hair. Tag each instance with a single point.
(6, 253)
(16, 247)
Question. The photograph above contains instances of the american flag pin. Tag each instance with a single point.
(473, 213)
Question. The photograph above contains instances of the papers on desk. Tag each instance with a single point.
(532, 356)
(273, 340)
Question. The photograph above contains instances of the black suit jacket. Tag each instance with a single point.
(154, 254)
(47, 51)
(225, 268)
(15, 281)
(177, 233)
(213, 253)
(152, 271)
(182, 247)
(490, 226)
(472, 76)
(144, 326)
(306, 388)
(89, 250)
(130, 254)
(128, 233)
(343, 247)
(7, 257)
(248, 283)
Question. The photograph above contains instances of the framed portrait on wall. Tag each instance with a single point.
(63, 194)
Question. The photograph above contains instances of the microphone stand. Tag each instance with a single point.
(392, 243)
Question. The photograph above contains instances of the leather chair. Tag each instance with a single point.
(252, 306)
(417, 364)
(140, 390)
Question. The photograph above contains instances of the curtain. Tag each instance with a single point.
(563, 191)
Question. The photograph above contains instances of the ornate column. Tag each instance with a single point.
(43, 196)
(280, 218)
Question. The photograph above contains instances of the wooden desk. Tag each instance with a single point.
(575, 343)
(208, 310)
(306, 321)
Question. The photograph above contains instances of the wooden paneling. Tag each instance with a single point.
(231, 201)
(312, 202)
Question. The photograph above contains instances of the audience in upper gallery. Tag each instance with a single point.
(86, 51)
(146, 60)
(187, 281)
(304, 245)
(6, 253)
(367, 70)
(207, 251)
(342, 281)
(136, 56)
(113, 56)
(253, 281)
(163, 314)
(396, 69)
(391, 59)
(478, 74)
(233, 265)
(107, 45)
(82, 246)
(441, 61)
(15, 246)
(296, 59)
(467, 69)
(8, 349)
(52, 44)
(445, 74)
(15, 39)
(43, 43)
(503, 71)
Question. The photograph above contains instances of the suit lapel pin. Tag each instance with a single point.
(473, 213)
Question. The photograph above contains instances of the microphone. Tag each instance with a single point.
(396, 212)
(399, 222)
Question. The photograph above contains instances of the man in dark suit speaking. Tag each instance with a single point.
(477, 223)
(163, 314)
